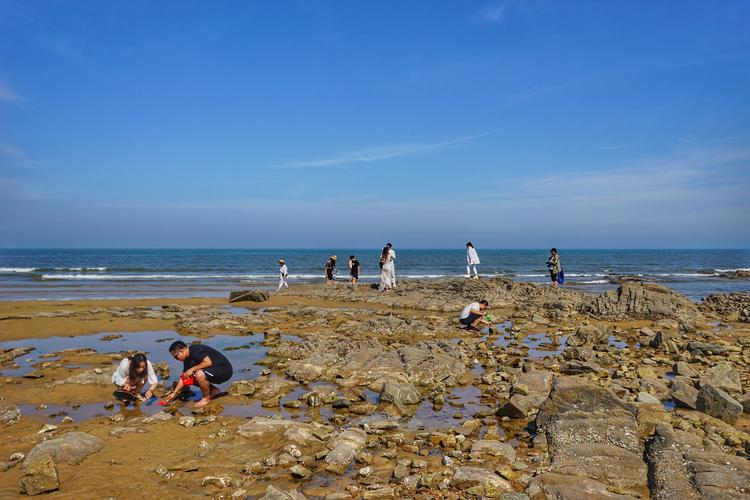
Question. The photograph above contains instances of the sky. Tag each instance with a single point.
(309, 124)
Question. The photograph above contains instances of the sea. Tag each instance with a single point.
(68, 274)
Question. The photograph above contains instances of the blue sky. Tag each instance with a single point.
(515, 124)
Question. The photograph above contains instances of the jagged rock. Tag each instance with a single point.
(8, 355)
(71, 448)
(679, 468)
(729, 306)
(706, 348)
(88, 377)
(643, 301)
(482, 481)
(9, 413)
(39, 475)
(684, 394)
(723, 376)
(718, 403)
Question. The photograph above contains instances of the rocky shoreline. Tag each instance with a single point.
(634, 393)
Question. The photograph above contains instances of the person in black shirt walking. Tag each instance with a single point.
(202, 365)
(353, 270)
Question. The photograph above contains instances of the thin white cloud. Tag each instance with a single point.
(542, 90)
(492, 13)
(9, 150)
(7, 93)
(377, 153)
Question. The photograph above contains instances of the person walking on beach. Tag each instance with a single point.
(554, 266)
(353, 270)
(387, 268)
(201, 365)
(131, 375)
(329, 269)
(472, 259)
(283, 274)
(473, 315)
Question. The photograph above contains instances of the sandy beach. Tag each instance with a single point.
(343, 392)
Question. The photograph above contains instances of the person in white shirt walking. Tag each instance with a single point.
(472, 259)
(387, 268)
(283, 274)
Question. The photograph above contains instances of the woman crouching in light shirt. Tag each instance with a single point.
(132, 374)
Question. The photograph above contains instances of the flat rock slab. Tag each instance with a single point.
(592, 438)
(9, 413)
(39, 475)
(482, 481)
(71, 448)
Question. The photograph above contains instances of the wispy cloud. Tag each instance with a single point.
(7, 93)
(12, 156)
(492, 13)
(378, 153)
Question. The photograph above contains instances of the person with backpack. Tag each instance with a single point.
(353, 270)
(555, 268)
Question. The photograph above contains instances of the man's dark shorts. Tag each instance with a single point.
(470, 319)
(553, 276)
(218, 375)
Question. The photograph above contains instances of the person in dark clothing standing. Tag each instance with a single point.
(329, 269)
(202, 365)
(353, 270)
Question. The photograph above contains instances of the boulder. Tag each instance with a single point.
(399, 393)
(344, 448)
(71, 448)
(684, 394)
(528, 392)
(587, 335)
(9, 413)
(634, 300)
(274, 493)
(723, 376)
(483, 482)
(39, 475)
(718, 403)
(494, 448)
(248, 295)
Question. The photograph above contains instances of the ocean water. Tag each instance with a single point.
(59, 274)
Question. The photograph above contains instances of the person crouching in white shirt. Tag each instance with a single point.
(132, 374)
(472, 316)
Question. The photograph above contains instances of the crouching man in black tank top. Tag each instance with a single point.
(203, 366)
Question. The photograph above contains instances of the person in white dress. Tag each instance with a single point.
(387, 268)
(472, 259)
(283, 274)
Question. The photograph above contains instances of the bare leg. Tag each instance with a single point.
(205, 386)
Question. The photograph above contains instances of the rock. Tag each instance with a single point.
(189, 466)
(218, 481)
(683, 369)
(88, 377)
(300, 472)
(274, 493)
(186, 421)
(486, 482)
(705, 348)
(494, 448)
(536, 384)
(297, 432)
(248, 295)
(718, 403)
(39, 475)
(634, 300)
(684, 394)
(344, 448)
(723, 376)
(592, 438)
(551, 485)
(729, 306)
(9, 413)
(71, 448)
(399, 393)
(587, 335)
(644, 397)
